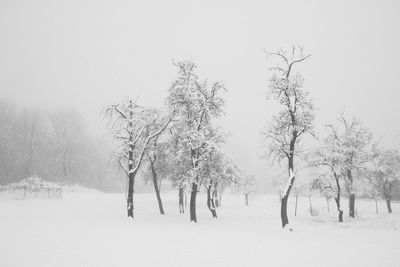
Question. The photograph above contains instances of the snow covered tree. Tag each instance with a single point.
(248, 187)
(296, 118)
(384, 176)
(211, 174)
(349, 147)
(196, 105)
(230, 177)
(159, 168)
(133, 127)
(329, 160)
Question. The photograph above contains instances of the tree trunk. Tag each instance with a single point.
(389, 205)
(156, 189)
(130, 196)
(181, 204)
(352, 198)
(210, 203)
(352, 201)
(376, 205)
(193, 195)
(131, 181)
(284, 216)
(285, 198)
(246, 198)
(337, 199)
(216, 198)
(295, 207)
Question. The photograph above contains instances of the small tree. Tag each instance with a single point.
(133, 127)
(294, 120)
(329, 160)
(384, 176)
(248, 187)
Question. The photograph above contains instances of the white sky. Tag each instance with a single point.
(87, 53)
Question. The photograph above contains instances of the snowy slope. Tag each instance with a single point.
(87, 229)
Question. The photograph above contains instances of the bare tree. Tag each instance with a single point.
(295, 119)
(133, 127)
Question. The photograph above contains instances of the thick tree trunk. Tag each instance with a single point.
(181, 204)
(210, 203)
(130, 196)
(389, 205)
(193, 195)
(156, 189)
(352, 198)
(352, 202)
(284, 216)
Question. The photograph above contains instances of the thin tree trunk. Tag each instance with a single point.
(376, 205)
(352, 201)
(156, 189)
(131, 180)
(193, 195)
(210, 203)
(295, 207)
(246, 198)
(389, 205)
(337, 199)
(181, 204)
(215, 198)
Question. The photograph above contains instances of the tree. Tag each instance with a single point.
(133, 127)
(196, 105)
(329, 159)
(384, 176)
(230, 177)
(248, 187)
(349, 145)
(160, 166)
(287, 128)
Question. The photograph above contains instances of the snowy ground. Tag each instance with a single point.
(88, 228)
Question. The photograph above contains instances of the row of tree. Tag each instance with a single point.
(180, 141)
(347, 157)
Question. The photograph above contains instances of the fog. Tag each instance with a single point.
(87, 54)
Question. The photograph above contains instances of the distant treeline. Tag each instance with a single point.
(55, 145)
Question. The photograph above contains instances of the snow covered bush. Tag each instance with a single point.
(35, 185)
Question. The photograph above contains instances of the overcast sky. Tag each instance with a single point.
(88, 53)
